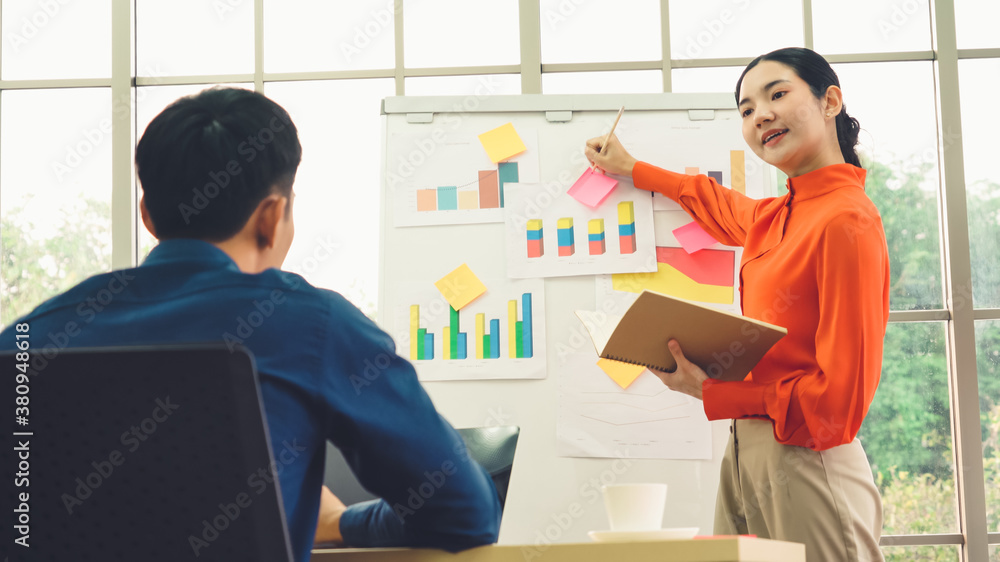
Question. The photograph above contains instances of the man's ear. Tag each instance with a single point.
(146, 220)
(269, 214)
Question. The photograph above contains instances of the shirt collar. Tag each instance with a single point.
(188, 250)
(826, 179)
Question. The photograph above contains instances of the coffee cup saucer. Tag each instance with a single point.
(678, 533)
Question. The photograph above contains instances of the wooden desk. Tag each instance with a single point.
(728, 549)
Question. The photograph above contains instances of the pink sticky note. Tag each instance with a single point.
(592, 188)
(693, 238)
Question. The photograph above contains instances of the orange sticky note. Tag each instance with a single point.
(623, 374)
(502, 143)
(460, 287)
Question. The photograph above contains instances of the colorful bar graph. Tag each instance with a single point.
(489, 194)
(489, 341)
(507, 171)
(481, 340)
(536, 242)
(595, 237)
(564, 230)
(447, 198)
(494, 339)
(626, 227)
(717, 176)
(737, 170)
(692, 171)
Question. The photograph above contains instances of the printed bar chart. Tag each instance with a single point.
(564, 231)
(595, 237)
(487, 193)
(454, 343)
(626, 227)
(717, 176)
(499, 335)
(536, 241)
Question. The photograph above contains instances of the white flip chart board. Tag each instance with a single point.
(439, 212)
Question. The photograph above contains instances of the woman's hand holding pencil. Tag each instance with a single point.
(608, 154)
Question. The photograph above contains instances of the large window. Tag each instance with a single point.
(68, 195)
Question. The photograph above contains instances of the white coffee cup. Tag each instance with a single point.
(635, 507)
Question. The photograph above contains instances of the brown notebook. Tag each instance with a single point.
(726, 346)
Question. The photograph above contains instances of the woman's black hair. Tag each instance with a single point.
(812, 68)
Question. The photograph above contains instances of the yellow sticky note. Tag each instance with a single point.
(502, 143)
(460, 287)
(622, 373)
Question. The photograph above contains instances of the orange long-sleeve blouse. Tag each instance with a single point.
(814, 261)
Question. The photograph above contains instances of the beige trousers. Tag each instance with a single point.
(826, 500)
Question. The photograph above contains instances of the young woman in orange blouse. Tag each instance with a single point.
(815, 262)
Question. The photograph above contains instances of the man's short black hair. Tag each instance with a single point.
(207, 161)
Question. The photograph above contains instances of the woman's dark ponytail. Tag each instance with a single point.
(847, 135)
(817, 72)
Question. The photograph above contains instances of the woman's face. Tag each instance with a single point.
(784, 123)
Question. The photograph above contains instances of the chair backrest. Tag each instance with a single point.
(491, 447)
(147, 453)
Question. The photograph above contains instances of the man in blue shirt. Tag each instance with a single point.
(217, 170)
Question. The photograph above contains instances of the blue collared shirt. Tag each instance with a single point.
(327, 372)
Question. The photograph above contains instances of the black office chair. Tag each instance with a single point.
(145, 454)
(493, 448)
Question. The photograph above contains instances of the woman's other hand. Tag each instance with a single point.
(687, 377)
